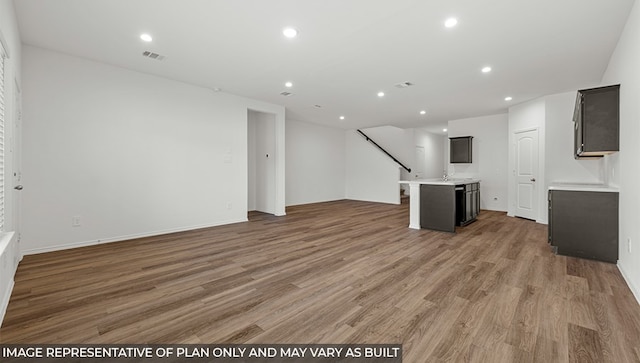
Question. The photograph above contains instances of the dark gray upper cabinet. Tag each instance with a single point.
(460, 149)
(596, 120)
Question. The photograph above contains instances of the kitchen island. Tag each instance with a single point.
(441, 204)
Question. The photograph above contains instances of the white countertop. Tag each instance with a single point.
(583, 187)
(439, 181)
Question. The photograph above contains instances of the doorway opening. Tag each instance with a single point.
(261, 149)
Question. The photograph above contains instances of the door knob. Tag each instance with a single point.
(533, 179)
(18, 187)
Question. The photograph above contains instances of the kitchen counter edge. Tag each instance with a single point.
(577, 187)
(440, 181)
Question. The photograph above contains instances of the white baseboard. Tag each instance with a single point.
(8, 253)
(67, 246)
(634, 289)
(394, 201)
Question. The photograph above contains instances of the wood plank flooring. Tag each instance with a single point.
(337, 272)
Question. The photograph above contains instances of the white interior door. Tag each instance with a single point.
(526, 143)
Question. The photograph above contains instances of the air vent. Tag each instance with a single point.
(403, 85)
(286, 94)
(152, 55)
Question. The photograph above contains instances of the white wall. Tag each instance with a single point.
(129, 153)
(9, 237)
(529, 115)
(370, 174)
(624, 168)
(401, 143)
(553, 116)
(490, 140)
(433, 145)
(315, 163)
(561, 166)
(397, 142)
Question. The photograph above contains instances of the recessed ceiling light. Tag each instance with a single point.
(288, 84)
(290, 32)
(380, 94)
(341, 117)
(508, 98)
(146, 37)
(423, 112)
(486, 69)
(451, 22)
(444, 130)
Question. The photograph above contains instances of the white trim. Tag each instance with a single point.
(5, 46)
(5, 249)
(5, 240)
(126, 237)
(317, 201)
(4, 304)
(634, 289)
(533, 128)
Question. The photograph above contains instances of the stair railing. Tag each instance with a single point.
(384, 151)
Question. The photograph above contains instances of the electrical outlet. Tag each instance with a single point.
(629, 244)
(75, 221)
(229, 206)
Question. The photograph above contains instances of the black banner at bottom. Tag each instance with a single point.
(202, 353)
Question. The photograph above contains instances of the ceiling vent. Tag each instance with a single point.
(152, 55)
(403, 85)
(286, 94)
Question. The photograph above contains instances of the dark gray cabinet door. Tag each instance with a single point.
(475, 188)
(596, 117)
(550, 217)
(468, 205)
(584, 224)
(461, 149)
(438, 207)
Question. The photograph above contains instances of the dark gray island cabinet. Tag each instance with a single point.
(443, 204)
(583, 221)
(443, 207)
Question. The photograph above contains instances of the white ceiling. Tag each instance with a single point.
(347, 50)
